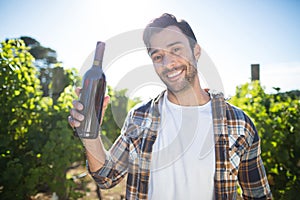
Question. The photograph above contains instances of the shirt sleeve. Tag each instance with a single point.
(116, 163)
(252, 175)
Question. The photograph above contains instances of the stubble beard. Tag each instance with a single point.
(186, 83)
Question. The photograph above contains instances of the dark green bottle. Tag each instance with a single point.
(92, 96)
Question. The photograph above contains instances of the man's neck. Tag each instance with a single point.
(192, 96)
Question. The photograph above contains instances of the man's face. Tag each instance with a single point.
(173, 59)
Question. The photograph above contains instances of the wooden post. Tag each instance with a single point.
(254, 72)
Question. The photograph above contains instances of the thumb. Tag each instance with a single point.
(105, 105)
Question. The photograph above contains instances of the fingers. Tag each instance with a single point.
(77, 105)
(72, 122)
(106, 102)
(77, 90)
(75, 117)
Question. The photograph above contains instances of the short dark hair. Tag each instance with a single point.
(165, 20)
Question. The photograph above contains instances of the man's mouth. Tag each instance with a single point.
(174, 74)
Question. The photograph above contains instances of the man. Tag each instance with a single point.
(188, 143)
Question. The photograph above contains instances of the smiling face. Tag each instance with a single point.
(173, 59)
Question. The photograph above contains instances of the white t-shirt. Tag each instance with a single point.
(183, 157)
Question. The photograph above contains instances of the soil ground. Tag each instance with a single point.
(90, 189)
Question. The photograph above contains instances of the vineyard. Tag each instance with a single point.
(40, 155)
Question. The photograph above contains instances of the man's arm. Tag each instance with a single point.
(252, 175)
(107, 168)
(95, 151)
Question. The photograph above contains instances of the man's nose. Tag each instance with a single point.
(169, 60)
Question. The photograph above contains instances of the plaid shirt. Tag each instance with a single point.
(237, 153)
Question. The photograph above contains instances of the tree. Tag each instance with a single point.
(37, 145)
(50, 70)
(19, 94)
(277, 119)
(45, 55)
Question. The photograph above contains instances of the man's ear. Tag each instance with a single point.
(197, 51)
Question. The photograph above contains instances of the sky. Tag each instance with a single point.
(234, 34)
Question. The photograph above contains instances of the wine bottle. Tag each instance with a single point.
(92, 96)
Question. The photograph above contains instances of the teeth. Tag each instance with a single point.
(174, 74)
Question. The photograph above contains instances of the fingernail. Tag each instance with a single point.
(81, 117)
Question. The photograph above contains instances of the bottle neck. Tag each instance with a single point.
(97, 63)
(99, 54)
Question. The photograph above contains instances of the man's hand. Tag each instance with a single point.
(76, 117)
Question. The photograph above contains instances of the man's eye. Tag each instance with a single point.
(176, 50)
(156, 58)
